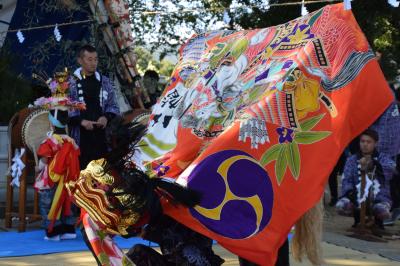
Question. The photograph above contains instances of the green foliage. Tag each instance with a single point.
(166, 67)
(146, 61)
(165, 31)
(381, 24)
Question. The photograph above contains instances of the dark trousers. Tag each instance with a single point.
(395, 190)
(179, 245)
(395, 185)
(333, 183)
(93, 145)
(283, 257)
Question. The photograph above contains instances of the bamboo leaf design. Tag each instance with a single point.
(281, 164)
(293, 158)
(310, 123)
(103, 258)
(287, 152)
(309, 137)
(271, 154)
(102, 235)
(126, 262)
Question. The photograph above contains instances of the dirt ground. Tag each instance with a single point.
(333, 255)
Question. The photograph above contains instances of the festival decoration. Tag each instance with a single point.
(57, 33)
(394, 3)
(347, 4)
(20, 36)
(17, 167)
(304, 10)
(58, 86)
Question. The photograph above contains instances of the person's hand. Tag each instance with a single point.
(88, 125)
(102, 121)
(365, 162)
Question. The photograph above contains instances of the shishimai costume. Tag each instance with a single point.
(120, 199)
(59, 161)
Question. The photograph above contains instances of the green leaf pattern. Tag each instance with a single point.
(126, 261)
(281, 163)
(293, 158)
(309, 137)
(288, 154)
(310, 123)
(271, 154)
(104, 259)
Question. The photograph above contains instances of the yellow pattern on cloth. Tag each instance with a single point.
(89, 193)
(306, 93)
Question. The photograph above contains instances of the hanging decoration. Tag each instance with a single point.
(394, 3)
(20, 37)
(57, 33)
(362, 195)
(226, 17)
(157, 22)
(304, 10)
(376, 188)
(347, 4)
(17, 167)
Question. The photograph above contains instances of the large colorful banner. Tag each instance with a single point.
(256, 120)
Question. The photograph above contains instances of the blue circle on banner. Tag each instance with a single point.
(237, 194)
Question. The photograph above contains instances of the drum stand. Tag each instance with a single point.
(21, 215)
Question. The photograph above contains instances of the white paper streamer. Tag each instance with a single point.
(20, 37)
(17, 167)
(394, 3)
(376, 187)
(57, 33)
(304, 10)
(363, 197)
(157, 22)
(226, 18)
(347, 4)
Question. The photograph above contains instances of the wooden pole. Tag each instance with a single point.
(363, 207)
(22, 195)
(10, 189)
(9, 202)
